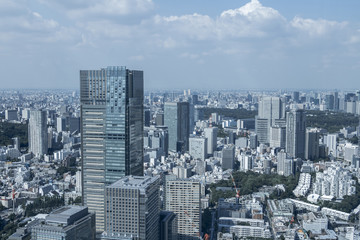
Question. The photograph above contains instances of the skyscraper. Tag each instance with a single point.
(112, 131)
(270, 109)
(177, 120)
(133, 208)
(312, 143)
(211, 136)
(183, 198)
(295, 134)
(38, 138)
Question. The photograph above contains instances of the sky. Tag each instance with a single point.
(182, 44)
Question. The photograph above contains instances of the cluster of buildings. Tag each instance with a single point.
(141, 163)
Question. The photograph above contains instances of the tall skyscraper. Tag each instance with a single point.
(133, 208)
(211, 136)
(183, 198)
(112, 132)
(295, 133)
(270, 110)
(177, 119)
(312, 143)
(38, 138)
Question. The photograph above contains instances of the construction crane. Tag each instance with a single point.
(291, 222)
(193, 224)
(236, 189)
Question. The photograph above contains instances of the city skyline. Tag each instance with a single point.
(250, 44)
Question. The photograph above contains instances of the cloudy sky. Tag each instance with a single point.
(207, 44)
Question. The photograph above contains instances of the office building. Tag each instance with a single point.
(228, 157)
(270, 110)
(70, 222)
(277, 137)
(295, 134)
(147, 117)
(183, 198)
(11, 115)
(159, 119)
(312, 143)
(133, 208)
(198, 147)
(285, 165)
(211, 136)
(112, 132)
(296, 97)
(331, 142)
(177, 119)
(38, 138)
(60, 124)
(74, 124)
(253, 141)
(168, 226)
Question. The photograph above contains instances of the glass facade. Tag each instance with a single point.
(112, 131)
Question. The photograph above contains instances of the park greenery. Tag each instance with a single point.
(331, 121)
(250, 182)
(231, 113)
(10, 130)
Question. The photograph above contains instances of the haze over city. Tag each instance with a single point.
(182, 44)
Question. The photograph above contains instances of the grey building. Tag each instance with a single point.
(198, 147)
(312, 144)
(295, 134)
(168, 226)
(74, 124)
(11, 115)
(133, 208)
(60, 124)
(211, 136)
(112, 131)
(177, 119)
(66, 223)
(228, 157)
(38, 138)
(270, 110)
(277, 136)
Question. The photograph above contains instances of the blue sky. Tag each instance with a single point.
(203, 44)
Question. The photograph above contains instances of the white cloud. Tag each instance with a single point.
(316, 28)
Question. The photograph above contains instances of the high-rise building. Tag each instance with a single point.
(228, 157)
(198, 147)
(177, 119)
(312, 144)
(38, 138)
(253, 141)
(277, 137)
(295, 134)
(168, 226)
(133, 208)
(285, 166)
(60, 124)
(270, 110)
(183, 197)
(296, 97)
(112, 132)
(211, 136)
